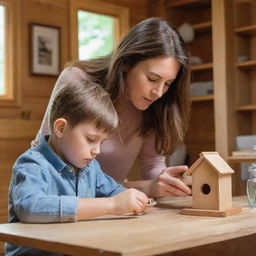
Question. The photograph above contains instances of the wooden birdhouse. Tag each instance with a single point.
(211, 186)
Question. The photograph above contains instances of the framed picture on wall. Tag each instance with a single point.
(44, 50)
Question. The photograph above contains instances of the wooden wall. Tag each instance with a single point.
(139, 10)
(19, 125)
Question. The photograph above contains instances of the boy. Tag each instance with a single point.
(59, 180)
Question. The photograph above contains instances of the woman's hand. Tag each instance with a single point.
(171, 183)
(130, 200)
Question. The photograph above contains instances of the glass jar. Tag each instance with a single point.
(251, 186)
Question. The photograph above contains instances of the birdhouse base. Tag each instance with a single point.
(211, 213)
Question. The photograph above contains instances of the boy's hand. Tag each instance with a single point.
(130, 200)
(170, 183)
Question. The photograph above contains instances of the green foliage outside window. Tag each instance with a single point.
(95, 35)
(2, 39)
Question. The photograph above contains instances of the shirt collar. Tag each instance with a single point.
(50, 155)
(45, 148)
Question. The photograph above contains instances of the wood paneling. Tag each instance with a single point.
(139, 10)
(15, 138)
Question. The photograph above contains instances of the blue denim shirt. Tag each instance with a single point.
(44, 189)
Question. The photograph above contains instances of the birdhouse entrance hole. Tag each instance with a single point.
(206, 189)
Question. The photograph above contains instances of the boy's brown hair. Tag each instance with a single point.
(82, 100)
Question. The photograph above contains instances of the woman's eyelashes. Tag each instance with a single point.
(153, 80)
(168, 84)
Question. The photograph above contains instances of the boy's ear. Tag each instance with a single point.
(59, 126)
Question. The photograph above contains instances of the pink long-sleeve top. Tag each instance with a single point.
(120, 150)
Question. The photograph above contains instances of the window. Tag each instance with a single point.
(8, 51)
(95, 27)
(96, 34)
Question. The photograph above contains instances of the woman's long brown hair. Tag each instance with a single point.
(168, 116)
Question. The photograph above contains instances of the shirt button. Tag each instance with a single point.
(71, 170)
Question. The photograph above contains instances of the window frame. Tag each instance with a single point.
(120, 13)
(11, 97)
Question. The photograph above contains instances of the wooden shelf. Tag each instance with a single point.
(244, 1)
(250, 107)
(233, 159)
(202, 98)
(246, 31)
(246, 64)
(202, 27)
(186, 4)
(205, 66)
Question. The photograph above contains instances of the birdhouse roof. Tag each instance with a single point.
(214, 160)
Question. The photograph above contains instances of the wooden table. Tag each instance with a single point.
(162, 229)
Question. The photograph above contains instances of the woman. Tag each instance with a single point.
(147, 77)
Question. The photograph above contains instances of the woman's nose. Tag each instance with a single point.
(157, 92)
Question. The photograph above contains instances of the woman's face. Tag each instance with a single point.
(150, 79)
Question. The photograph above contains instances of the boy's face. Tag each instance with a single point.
(79, 145)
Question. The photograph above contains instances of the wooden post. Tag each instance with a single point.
(223, 72)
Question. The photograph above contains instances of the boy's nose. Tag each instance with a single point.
(95, 151)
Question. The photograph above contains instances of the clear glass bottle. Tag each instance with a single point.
(251, 183)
